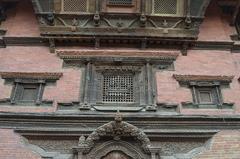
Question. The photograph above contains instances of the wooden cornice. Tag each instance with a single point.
(31, 75)
(75, 54)
(47, 124)
(93, 42)
(189, 78)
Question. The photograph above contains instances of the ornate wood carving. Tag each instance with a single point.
(92, 95)
(142, 64)
(116, 55)
(98, 23)
(131, 151)
(117, 129)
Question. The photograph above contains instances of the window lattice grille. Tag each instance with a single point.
(165, 7)
(74, 5)
(120, 2)
(118, 88)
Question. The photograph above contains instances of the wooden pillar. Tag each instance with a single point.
(86, 84)
(40, 92)
(149, 84)
(13, 97)
(154, 152)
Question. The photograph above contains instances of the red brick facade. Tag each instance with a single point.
(21, 22)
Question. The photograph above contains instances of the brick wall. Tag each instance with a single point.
(12, 146)
(38, 59)
(198, 62)
(225, 145)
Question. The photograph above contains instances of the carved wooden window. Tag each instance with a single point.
(117, 84)
(74, 6)
(27, 91)
(28, 87)
(118, 88)
(207, 95)
(206, 91)
(168, 7)
(114, 86)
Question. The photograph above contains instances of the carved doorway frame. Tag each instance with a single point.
(128, 149)
(93, 147)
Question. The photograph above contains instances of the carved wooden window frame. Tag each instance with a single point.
(37, 80)
(216, 89)
(18, 90)
(179, 6)
(197, 83)
(91, 92)
(213, 87)
(101, 70)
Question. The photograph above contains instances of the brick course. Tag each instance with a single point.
(22, 22)
(224, 145)
(12, 146)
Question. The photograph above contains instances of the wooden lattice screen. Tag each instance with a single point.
(74, 6)
(168, 7)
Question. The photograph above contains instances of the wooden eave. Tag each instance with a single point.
(55, 124)
(127, 32)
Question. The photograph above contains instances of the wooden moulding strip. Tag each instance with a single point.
(31, 75)
(187, 78)
(117, 53)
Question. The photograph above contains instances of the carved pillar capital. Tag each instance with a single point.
(155, 152)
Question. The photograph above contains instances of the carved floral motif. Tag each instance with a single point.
(115, 129)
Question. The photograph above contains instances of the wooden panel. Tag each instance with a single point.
(57, 6)
(132, 8)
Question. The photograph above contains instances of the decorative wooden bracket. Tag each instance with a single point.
(52, 45)
(185, 48)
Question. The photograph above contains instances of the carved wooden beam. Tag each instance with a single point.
(205, 78)
(31, 75)
(124, 54)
